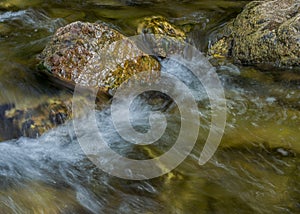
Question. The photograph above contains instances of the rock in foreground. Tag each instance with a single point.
(94, 55)
(265, 32)
(34, 121)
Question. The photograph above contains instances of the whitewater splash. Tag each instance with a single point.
(179, 53)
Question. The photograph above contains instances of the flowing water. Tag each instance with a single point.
(256, 167)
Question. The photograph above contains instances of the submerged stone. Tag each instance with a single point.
(266, 32)
(35, 120)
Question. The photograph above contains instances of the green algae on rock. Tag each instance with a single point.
(266, 32)
(95, 55)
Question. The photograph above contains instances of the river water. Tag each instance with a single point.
(255, 169)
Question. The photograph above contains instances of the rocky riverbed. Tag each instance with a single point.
(48, 47)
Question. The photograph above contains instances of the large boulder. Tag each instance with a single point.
(265, 32)
(95, 55)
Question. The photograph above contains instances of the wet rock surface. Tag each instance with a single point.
(35, 120)
(94, 55)
(165, 38)
(160, 25)
(266, 32)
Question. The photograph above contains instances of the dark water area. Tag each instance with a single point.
(255, 169)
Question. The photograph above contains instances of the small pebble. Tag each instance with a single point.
(283, 152)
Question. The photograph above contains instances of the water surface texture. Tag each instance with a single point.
(256, 167)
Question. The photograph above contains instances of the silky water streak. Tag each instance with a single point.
(98, 150)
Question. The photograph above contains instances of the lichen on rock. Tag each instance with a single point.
(95, 55)
(266, 32)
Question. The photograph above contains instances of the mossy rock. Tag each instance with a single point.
(95, 55)
(160, 25)
(35, 120)
(266, 32)
(165, 39)
(89, 54)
